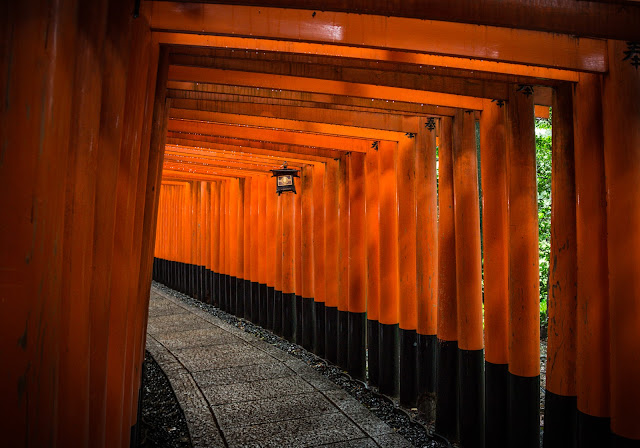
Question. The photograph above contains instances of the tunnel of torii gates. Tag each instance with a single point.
(118, 115)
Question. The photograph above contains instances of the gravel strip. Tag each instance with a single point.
(163, 422)
(405, 422)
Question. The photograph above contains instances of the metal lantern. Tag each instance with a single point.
(285, 177)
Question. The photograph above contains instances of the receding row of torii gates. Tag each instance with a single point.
(377, 264)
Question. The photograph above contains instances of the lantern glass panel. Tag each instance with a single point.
(284, 181)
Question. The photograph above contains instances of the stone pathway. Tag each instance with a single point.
(238, 391)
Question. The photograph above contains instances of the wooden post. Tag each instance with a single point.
(389, 274)
(261, 230)
(560, 397)
(495, 232)
(524, 278)
(319, 257)
(308, 279)
(288, 267)
(447, 352)
(357, 274)
(426, 264)
(343, 262)
(621, 121)
(331, 262)
(408, 322)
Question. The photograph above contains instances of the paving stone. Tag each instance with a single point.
(175, 322)
(392, 440)
(201, 423)
(220, 356)
(289, 407)
(313, 431)
(197, 338)
(168, 363)
(257, 390)
(242, 374)
(358, 443)
(369, 423)
(165, 309)
(270, 349)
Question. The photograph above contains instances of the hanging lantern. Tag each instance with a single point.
(284, 178)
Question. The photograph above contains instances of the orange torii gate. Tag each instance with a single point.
(373, 241)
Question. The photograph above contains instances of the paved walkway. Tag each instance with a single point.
(239, 391)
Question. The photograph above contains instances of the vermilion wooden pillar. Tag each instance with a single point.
(288, 266)
(468, 280)
(524, 286)
(272, 252)
(592, 324)
(298, 231)
(447, 351)
(343, 262)
(308, 279)
(277, 300)
(255, 250)
(357, 267)
(426, 264)
(215, 244)
(262, 250)
(495, 234)
(560, 397)
(248, 245)
(319, 257)
(331, 261)
(372, 209)
(621, 118)
(389, 274)
(239, 297)
(408, 321)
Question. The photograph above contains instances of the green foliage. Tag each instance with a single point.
(543, 168)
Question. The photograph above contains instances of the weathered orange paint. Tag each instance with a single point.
(357, 235)
(406, 185)
(319, 264)
(261, 230)
(307, 227)
(447, 303)
(593, 343)
(331, 232)
(249, 187)
(435, 37)
(264, 80)
(524, 286)
(279, 246)
(495, 228)
(372, 210)
(621, 119)
(272, 253)
(343, 233)
(426, 231)
(563, 269)
(467, 233)
(388, 201)
(288, 244)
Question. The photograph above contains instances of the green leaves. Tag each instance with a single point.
(543, 171)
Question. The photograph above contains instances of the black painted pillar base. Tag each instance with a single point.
(277, 312)
(373, 352)
(356, 345)
(496, 404)
(270, 306)
(524, 411)
(255, 302)
(343, 339)
(318, 335)
(289, 316)
(593, 431)
(471, 377)
(262, 288)
(240, 297)
(224, 292)
(426, 373)
(623, 442)
(298, 313)
(247, 299)
(408, 368)
(560, 420)
(134, 440)
(331, 333)
(215, 289)
(389, 359)
(233, 288)
(308, 323)
(206, 281)
(229, 294)
(197, 291)
(447, 389)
